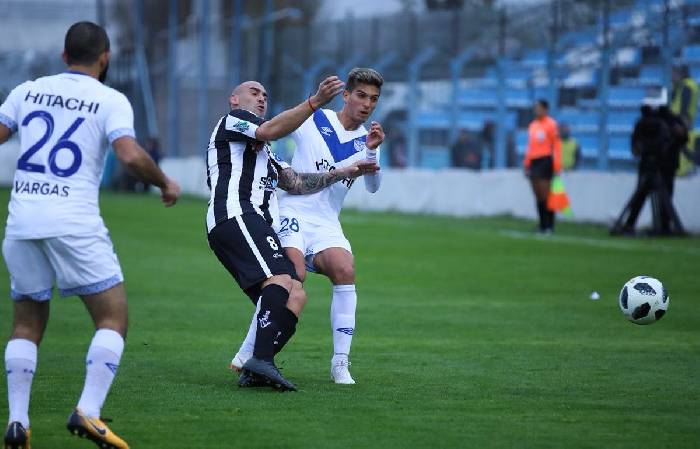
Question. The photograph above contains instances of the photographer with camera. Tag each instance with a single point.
(657, 140)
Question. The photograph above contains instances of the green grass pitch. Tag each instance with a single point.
(471, 334)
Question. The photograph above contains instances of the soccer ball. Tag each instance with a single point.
(643, 300)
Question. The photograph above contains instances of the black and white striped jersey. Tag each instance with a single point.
(241, 171)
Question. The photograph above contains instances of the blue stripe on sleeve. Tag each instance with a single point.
(121, 132)
(7, 121)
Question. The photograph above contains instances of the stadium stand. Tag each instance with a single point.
(636, 68)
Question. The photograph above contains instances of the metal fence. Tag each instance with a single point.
(476, 69)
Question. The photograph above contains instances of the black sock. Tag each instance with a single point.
(542, 212)
(551, 219)
(288, 325)
(273, 303)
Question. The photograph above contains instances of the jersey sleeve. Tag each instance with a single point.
(9, 110)
(373, 180)
(241, 125)
(298, 134)
(120, 119)
(281, 165)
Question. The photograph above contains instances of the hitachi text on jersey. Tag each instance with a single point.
(52, 100)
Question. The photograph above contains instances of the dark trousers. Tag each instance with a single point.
(658, 186)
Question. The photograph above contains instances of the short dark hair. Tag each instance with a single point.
(85, 42)
(544, 103)
(360, 75)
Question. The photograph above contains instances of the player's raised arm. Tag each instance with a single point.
(142, 166)
(306, 183)
(375, 137)
(284, 123)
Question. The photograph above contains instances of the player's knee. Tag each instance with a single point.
(284, 281)
(343, 274)
(297, 299)
(28, 331)
(116, 322)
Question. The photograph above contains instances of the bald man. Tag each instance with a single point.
(242, 174)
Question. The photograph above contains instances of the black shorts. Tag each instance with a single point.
(542, 168)
(250, 250)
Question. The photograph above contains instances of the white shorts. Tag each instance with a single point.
(310, 238)
(78, 265)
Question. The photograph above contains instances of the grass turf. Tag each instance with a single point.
(471, 333)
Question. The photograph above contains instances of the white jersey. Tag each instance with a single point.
(323, 144)
(63, 121)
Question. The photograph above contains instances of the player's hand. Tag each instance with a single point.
(329, 88)
(375, 136)
(359, 168)
(170, 193)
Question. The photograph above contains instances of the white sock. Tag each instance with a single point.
(248, 344)
(102, 362)
(343, 319)
(20, 363)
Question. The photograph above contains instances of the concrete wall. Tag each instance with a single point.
(596, 197)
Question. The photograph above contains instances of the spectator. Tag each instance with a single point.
(570, 149)
(398, 151)
(684, 103)
(488, 139)
(466, 152)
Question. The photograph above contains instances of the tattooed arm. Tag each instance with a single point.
(305, 183)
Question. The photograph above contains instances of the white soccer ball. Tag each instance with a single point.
(643, 300)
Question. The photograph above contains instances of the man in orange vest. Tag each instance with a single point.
(543, 160)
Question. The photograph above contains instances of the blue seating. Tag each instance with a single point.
(623, 96)
(691, 53)
(589, 144)
(435, 157)
(650, 75)
(628, 56)
(478, 97)
(471, 120)
(521, 139)
(534, 58)
(579, 120)
(622, 121)
(518, 98)
(619, 148)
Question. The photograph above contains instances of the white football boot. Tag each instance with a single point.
(238, 361)
(339, 371)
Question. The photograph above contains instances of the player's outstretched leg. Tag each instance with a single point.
(275, 325)
(246, 350)
(108, 310)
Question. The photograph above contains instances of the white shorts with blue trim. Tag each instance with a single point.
(77, 265)
(310, 238)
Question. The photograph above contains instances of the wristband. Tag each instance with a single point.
(308, 100)
(372, 153)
